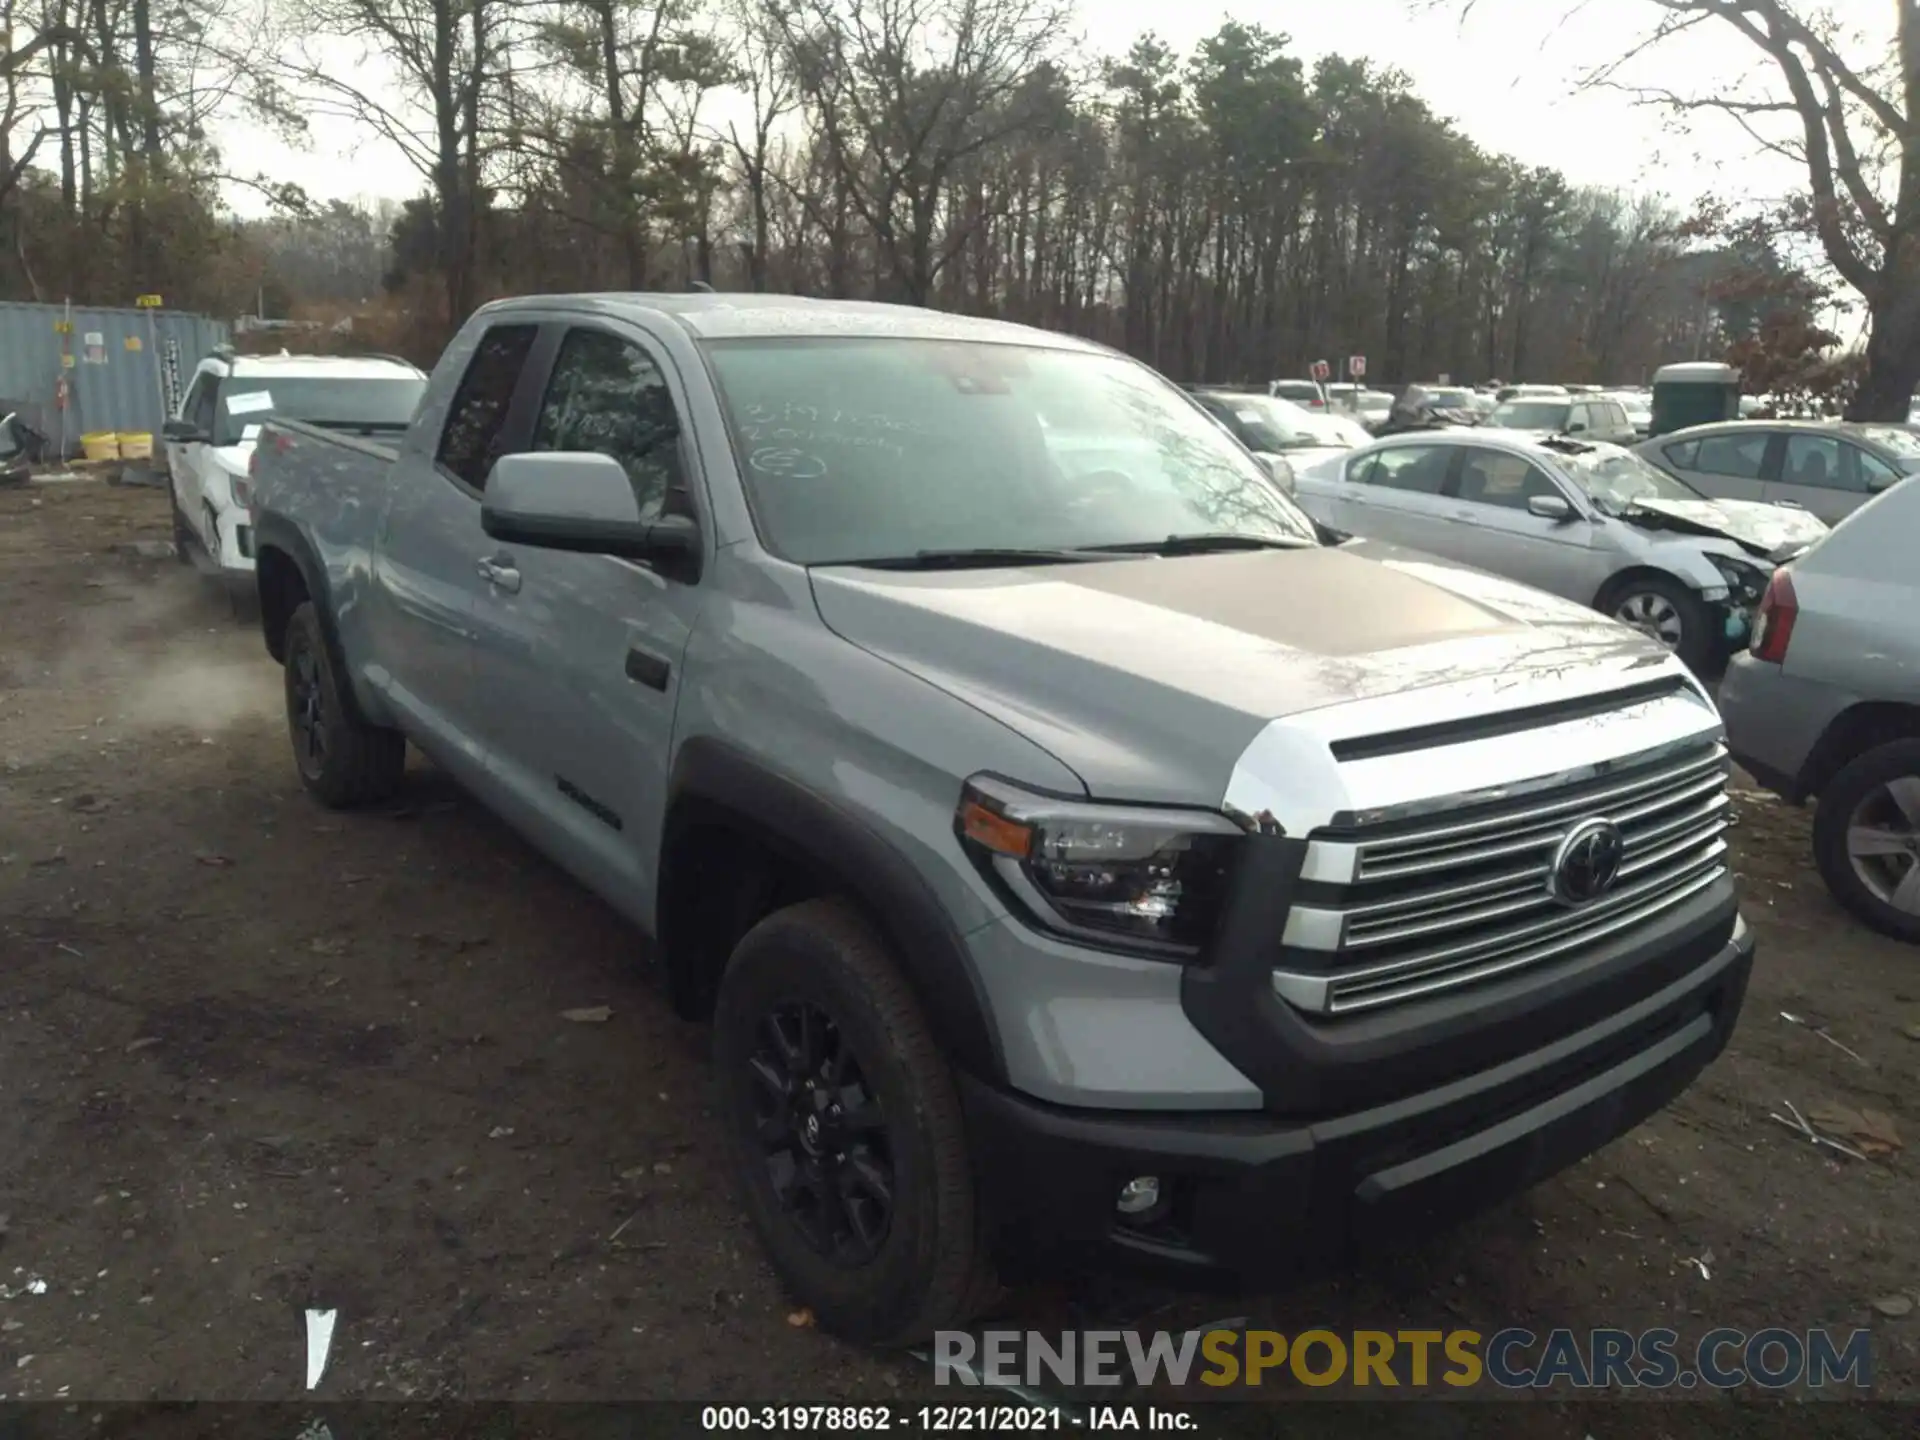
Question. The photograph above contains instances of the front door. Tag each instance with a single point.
(190, 464)
(427, 562)
(579, 657)
(1491, 527)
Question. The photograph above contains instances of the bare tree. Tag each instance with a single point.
(1851, 112)
(449, 59)
(903, 92)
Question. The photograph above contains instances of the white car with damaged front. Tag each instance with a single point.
(1588, 521)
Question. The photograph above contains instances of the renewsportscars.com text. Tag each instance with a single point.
(1509, 1359)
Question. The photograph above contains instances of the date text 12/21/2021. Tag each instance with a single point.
(943, 1419)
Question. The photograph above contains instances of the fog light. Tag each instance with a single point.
(1139, 1195)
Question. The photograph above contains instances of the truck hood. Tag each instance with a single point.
(1762, 529)
(1150, 677)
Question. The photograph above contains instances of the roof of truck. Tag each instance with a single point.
(346, 367)
(747, 315)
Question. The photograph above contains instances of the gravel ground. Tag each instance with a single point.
(256, 1057)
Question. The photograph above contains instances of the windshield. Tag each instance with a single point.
(867, 449)
(1902, 444)
(1335, 430)
(1265, 423)
(384, 402)
(1451, 399)
(1617, 478)
(1530, 415)
(1374, 402)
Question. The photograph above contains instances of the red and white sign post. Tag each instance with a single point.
(1357, 366)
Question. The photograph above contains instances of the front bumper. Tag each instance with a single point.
(1256, 1200)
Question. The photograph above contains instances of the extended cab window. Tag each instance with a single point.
(607, 395)
(471, 441)
(1419, 468)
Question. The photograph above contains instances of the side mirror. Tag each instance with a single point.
(1577, 427)
(1280, 472)
(1550, 507)
(579, 501)
(182, 432)
(1876, 483)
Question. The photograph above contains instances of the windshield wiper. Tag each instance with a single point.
(983, 558)
(1201, 544)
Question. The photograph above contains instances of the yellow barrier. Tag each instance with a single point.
(100, 445)
(135, 445)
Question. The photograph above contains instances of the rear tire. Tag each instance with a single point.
(344, 762)
(1866, 838)
(1666, 610)
(814, 1022)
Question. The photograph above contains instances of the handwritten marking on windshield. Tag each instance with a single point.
(788, 463)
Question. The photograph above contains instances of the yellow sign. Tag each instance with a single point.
(133, 342)
(66, 362)
(148, 302)
(63, 327)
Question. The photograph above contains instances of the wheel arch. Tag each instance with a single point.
(287, 572)
(1851, 734)
(741, 841)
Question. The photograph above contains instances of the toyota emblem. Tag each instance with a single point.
(1587, 862)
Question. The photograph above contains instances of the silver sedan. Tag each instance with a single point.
(1587, 521)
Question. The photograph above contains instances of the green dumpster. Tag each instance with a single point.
(1700, 392)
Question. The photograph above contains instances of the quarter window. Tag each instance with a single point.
(607, 395)
(476, 421)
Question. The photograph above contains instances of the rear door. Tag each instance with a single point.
(578, 657)
(1491, 527)
(189, 463)
(1395, 495)
(428, 581)
(1725, 464)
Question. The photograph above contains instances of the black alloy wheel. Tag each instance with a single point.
(307, 710)
(823, 1137)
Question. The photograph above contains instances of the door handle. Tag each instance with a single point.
(499, 572)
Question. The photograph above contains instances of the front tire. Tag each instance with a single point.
(844, 1132)
(182, 532)
(1667, 611)
(1866, 838)
(342, 761)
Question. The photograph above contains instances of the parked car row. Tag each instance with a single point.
(1082, 864)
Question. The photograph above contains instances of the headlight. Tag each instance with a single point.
(1745, 582)
(242, 491)
(1126, 876)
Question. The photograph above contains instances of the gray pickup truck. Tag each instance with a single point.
(1080, 863)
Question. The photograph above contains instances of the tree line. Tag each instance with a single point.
(1227, 214)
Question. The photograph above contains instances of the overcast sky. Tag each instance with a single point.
(1507, 76)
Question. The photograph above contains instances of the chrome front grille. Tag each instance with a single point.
(1457, 901)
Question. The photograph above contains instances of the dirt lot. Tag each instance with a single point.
(254, 1057)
